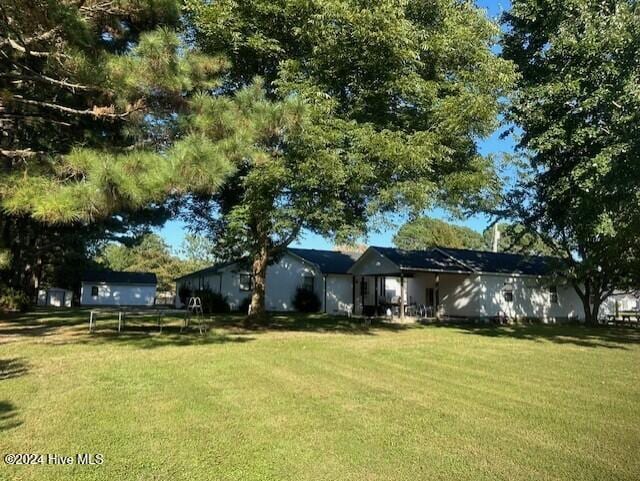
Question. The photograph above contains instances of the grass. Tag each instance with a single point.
(316, 398)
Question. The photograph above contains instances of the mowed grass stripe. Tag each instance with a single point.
(417, 403)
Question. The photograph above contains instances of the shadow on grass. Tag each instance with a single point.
(148, 337)
(583, 336)
(235, 330)
(8, 413)
(67, 326)
(14, 367)
(318, 323)
(41, 322)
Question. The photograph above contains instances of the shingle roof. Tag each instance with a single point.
(446, 259)
(431, 259)
(502, 262)
(214, 269)
(329, 262)
(118, 277)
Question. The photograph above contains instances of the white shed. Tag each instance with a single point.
(55, 297)
(112, 288)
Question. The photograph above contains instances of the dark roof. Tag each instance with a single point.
(446, 259)
(329, 262)
(431, 259)
(120, 277)
(214, 269)
(502, 262)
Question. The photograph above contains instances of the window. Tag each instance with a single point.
(507, 292)
(246, 282)
(553, 294)
(308, 283)
(94, 291)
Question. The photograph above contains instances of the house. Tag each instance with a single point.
(461, 283)
(112, 288)
(55, 297)
(321, 271)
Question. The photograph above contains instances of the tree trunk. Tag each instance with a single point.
(257, 309)
(591, 310)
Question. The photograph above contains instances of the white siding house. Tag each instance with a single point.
(462, 283)
(324, 272)
(111, 288)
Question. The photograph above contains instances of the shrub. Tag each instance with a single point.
(13, 300)
(305, 300)
(213, 302)
(184, 293)
(243, 307)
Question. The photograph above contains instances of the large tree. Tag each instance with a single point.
(425, 232)
(386, 100)
(150, 253)
(578, 105)
(91, 99)
(516, 239)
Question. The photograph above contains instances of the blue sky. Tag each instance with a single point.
(174, 231)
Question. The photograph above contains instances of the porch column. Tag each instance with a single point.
(437, 295)
(401, 296)
(375, 298)
(324, 302)
(353, 294)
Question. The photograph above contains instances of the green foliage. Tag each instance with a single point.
(367, 107)
(305, 300)
(424, 233)
(213, 302)
(151, 254)
(93, 97)
(517, 239)
(13, 300)
(199, 250)
(577, 104)
(184, 293)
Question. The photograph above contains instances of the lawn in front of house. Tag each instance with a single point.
(317, 398)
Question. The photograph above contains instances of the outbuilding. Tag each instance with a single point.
(55, 297)
(113, 288)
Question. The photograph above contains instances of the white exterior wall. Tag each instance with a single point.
(621, 302)
(283, 278)
(118, 294)
(55, 297)
(482, 295)
(339, 295)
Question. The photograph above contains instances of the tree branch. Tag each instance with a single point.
(33, 53)
(48, 80)
(95, 112)
(20, 153)
(277, 248)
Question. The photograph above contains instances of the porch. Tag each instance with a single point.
(424, 295)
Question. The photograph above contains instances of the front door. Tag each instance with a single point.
(430, 297)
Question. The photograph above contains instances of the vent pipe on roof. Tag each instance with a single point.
(496, 237)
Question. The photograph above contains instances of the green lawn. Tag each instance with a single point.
(320, 399)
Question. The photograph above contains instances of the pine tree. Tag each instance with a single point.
(92, 97)
(393, 96)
